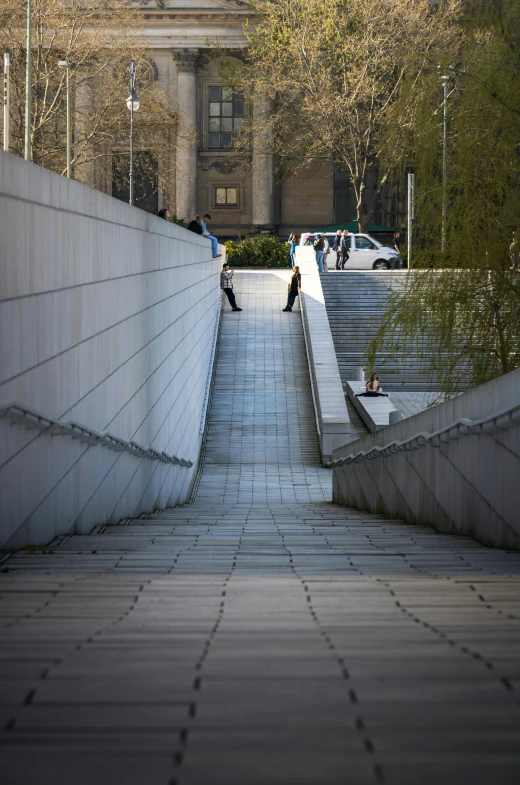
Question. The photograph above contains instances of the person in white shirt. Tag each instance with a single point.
(326, 252)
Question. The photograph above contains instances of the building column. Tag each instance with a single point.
(186, 163)
(263, 195)
(84, 171)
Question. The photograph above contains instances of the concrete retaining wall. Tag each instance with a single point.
(107, 317)
(332, 418)
(466, 486)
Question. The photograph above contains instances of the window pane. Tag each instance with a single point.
(214, 140)
(227, 124)
(214, 124)
(238, 123)
(214, 110)
(227, 109)
(231, 195)
(226, 140)
(220, 195)
(239, 96)
(226, 95)
(239, 109)
(214, 93)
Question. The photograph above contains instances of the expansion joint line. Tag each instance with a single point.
(499, 421)
(360, 724)
(180, 754)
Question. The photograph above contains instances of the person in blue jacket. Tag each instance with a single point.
(293, 242)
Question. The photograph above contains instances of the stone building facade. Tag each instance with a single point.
(237, 189)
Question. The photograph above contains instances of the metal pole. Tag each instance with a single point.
(132, 154)
(69, 127)
(444, 161)
(6, 102)
(28, 85)
(411, 215)
(132, 93)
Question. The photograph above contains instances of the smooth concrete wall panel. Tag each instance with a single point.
(107, 317)
(333, 422)
(468, 485)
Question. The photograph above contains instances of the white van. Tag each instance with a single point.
(366, 253)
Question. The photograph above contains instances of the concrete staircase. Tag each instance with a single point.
(355, 301)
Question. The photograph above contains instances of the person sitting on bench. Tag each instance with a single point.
(373, 388)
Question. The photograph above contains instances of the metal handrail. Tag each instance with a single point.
(31, 418)
(500, 420)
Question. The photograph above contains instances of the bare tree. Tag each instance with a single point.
(333, 70)
(98, 38)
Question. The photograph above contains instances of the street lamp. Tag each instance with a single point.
(65, 64)
(28, 85)
(6, 102)
(133, 105)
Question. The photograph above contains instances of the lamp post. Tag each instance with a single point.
(6, 102)
(444, 79)
(65, 64)
(28, 85)
(411, 215)
(133, 105)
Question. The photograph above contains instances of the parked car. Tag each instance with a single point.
(366, 253)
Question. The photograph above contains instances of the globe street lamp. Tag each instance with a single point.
(133, 105)
(65, 64)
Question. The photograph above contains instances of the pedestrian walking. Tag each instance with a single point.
(397, 242)
(337, 247)
(293, 244)
(226, 283)
(345, 248)
(319, 247)
(214, 241)
(195, 225)
(294, 288)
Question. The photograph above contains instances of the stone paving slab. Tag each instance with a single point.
(261, 634)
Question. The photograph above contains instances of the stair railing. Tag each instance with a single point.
(501, 420)
(20, 414)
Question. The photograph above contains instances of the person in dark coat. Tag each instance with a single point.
(294, 288)
(345, 249)
(337, 247)
(195, 225)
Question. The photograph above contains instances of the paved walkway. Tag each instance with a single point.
(261, 635)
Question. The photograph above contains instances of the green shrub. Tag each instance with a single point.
(259, 251)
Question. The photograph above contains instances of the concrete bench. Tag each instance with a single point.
(375, 412)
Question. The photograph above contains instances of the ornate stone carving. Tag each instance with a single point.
(186, 59)
(225, 167)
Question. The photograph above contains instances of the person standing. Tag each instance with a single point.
(293, 244)
(326, 252)
(164, 213)
(319, 247)
(337, 247)
(294, 288)
(195, 225)
(214, 241)
(397, 242)
(226, 283)
(345, 248)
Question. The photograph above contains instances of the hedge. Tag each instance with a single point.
(258, 251)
